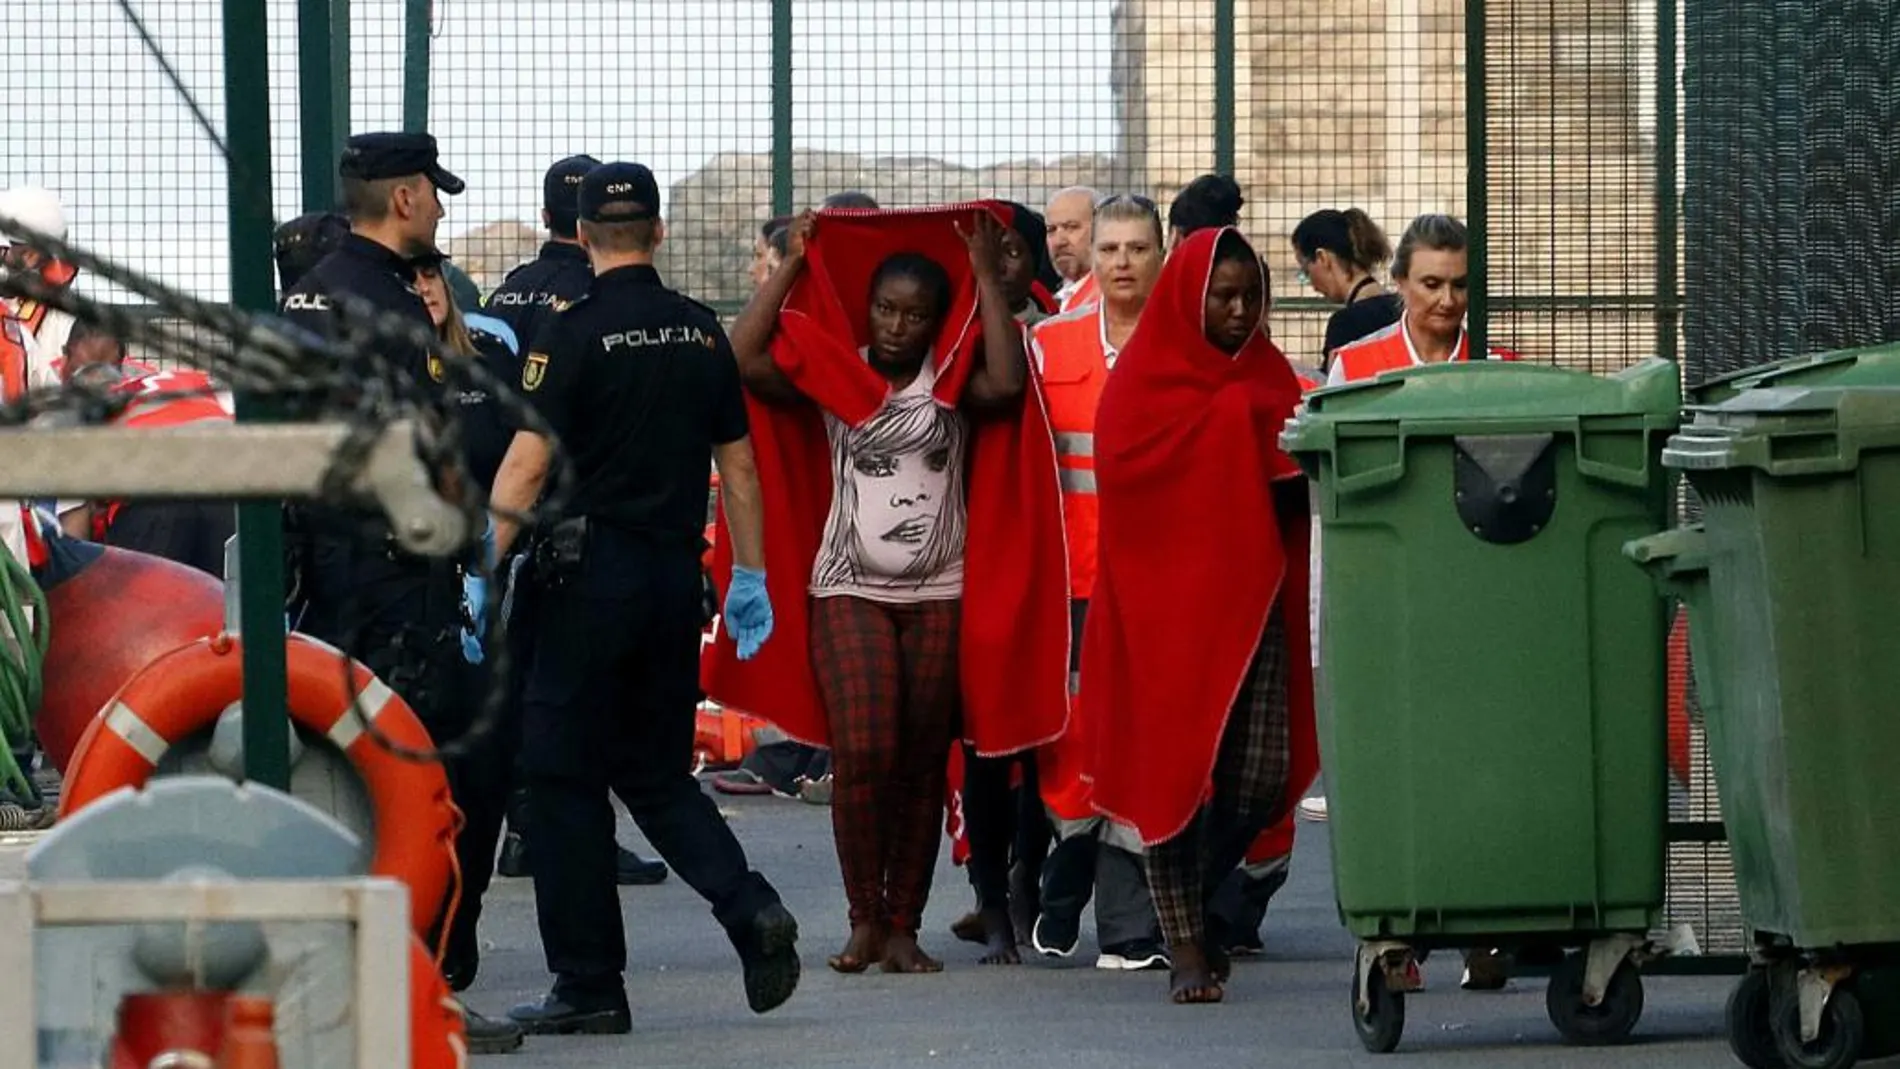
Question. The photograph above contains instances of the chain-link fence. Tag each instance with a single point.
(747, 108)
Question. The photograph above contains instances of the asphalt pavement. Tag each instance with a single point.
(1289, 1008)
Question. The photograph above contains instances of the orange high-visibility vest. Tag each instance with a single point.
(1074, 370)
(171, 399)
(13, 361)
(1386, 350)
(1086, 293)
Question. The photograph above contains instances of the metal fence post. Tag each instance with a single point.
(417, 17)
(260, 524)
(1668, 203)
(782, 107)
(1224, 118)
(324, 114)
(1477, 196)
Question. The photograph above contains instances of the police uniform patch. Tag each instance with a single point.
(436, 370)
(534, 371)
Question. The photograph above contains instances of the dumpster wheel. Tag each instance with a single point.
(1750, 1019)
(1611, 1020)
(1838, 1046)
(1382, 1024)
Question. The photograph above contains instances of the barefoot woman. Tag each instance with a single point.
(909, 494)
(1199, 674)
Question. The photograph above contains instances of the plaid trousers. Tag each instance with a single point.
(888, 677)
(1250, 775)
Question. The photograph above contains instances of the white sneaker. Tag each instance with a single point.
(1138, 957)
(1314, 808)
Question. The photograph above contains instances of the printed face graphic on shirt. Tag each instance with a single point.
(900, 497)
(897, 512)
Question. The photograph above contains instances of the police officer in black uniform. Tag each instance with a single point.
(530, 295)
(304, 242)
(560, 275)
(641, 387)
(399, 614)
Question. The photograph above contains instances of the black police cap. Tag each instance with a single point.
(561, 189)
(431, 260)
(303, 242)
(392, 155)
(618, 193)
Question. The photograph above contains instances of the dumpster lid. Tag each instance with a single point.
(1789, 430)
(1869, 365)
(1451, 397)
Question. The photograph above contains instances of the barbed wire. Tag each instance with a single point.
(347, 377)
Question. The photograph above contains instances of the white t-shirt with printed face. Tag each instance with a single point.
(896, 528)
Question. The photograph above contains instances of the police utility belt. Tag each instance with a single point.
(558, 554)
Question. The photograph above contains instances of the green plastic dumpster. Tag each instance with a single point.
(1801, 492)
(1495, 741)
(1873, 365)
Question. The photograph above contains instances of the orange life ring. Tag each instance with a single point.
(182, 693)
(438, 1032)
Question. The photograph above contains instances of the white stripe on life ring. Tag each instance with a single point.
(125, 722)
(371, 700)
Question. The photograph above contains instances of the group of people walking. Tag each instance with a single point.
(1000, 493)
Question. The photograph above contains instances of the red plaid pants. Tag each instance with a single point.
(888, 676)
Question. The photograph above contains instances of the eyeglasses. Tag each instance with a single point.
(1136, 199)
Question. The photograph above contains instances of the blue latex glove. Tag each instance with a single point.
(748, 612)
(491, 556)
(474, 608)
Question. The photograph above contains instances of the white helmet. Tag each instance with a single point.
(35, 208)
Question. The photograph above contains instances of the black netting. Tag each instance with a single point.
(1792, 199)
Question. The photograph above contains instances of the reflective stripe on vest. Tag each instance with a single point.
(1071, 444)
(1078, 482)
(1074, 369)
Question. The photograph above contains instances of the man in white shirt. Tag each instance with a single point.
(1070, 217)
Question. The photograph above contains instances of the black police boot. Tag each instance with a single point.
(768, 949)
(559, 1013)
(461, 961)
(513, 862)
(632, 870)
(489, 1036)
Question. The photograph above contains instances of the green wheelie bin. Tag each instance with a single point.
(1792, 584)
(1873, 365)
(1494, 737)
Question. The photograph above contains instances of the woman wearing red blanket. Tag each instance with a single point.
(1197, 635)
(913, 537)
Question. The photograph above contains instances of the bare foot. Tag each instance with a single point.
(865, 946)
(1220, 965)
(903, 955)
(1192, 980)
(999, 943)
(969, 928)
(1025, 901)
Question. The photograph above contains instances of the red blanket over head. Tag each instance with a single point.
(1015, 622)
(1191, 557)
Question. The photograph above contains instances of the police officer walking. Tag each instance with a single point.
(530, 295)
(399, 614)
(641, 387)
